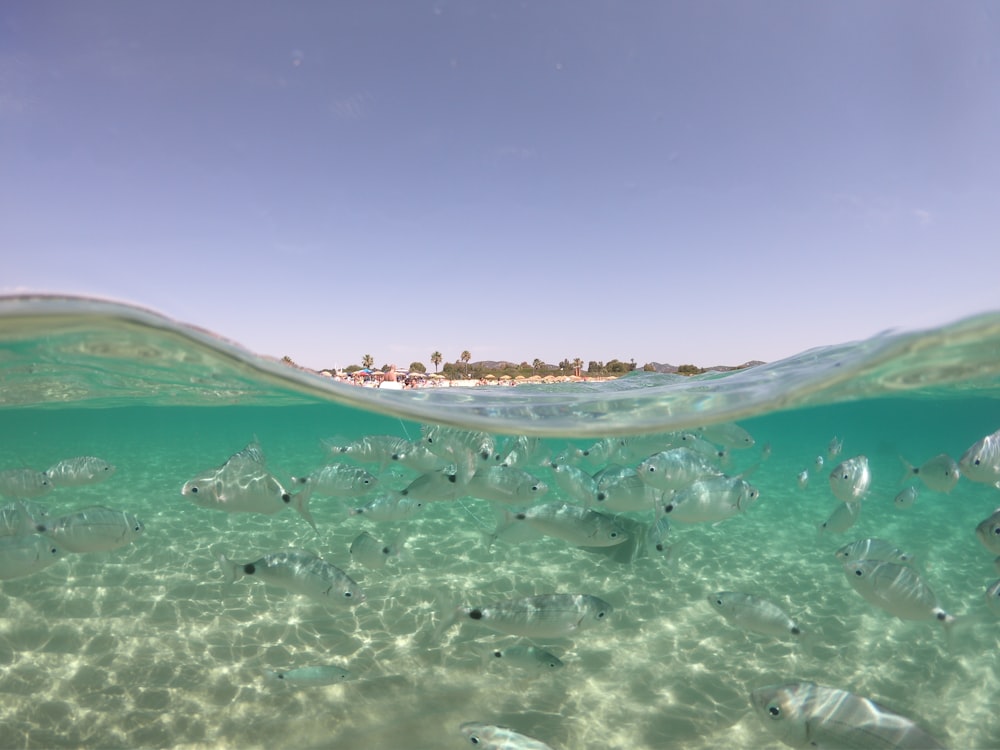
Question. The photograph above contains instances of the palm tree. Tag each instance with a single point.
(436, 360)
(537, 365)
(466, 356)
(367, 361)
(577, 366)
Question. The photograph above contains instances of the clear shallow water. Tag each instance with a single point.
(149, 645)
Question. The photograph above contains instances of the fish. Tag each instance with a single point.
(525, 656)
(337, 480)
(711, 499)
(82, 470)
(834, 447)
(300, 572)
(818, 462)
(375, 449)
(316, 676)
(243, 485)
(843, 517)
(26, 554)
(372, 553)
(522, 450)
(803, 479)
(675, 469)
(93, 529)
(389, 506)
(988, 532)
(873, 549)
(754, 613)
(906, 497)
(940, 473)
(575, 483)
(505, 484)
(850, 480)
(435, 486)
(993, 597)
(896, 589)
(620, 490)
(571, 523)
(493, 737)
(21, 517)
(728, 435)
(543, 616)
(981, 461)
(467, 450)
(24, 484)
(807, 715)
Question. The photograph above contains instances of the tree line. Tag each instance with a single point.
(463, 367)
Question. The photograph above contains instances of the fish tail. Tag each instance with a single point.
(909, 471)
(229, 568)
(447, 620)
(300, 502)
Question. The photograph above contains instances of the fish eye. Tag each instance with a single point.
(667, 508)
(976, 462)
(859, 573)
(54, 550)
(719, 602)
(473, 739)
(659, 547)
(348, 595)
(497, 654)
(600, 615)
(194, 490)
(651, 469)
(774, 711)
(286, 498)
(996, 529)
(614, 534)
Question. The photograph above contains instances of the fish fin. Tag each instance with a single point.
(229, 568)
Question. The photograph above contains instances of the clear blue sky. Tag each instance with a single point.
(704, 182)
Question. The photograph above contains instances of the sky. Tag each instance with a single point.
(679, 182)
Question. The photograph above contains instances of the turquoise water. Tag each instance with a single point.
(149, 645)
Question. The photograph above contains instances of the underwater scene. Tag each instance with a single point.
(205, 548)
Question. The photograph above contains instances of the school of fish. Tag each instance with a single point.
(616, 498)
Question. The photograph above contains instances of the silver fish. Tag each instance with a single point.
(873, 549)
(571, 523)
(372, 553)
(993, 597)
(493, 737)
(807, 715)
(818, 462)
(803, 479)
(74, 472)
(300, 572)
(675, 469)
(906, 497)
(544, 616)
(896, 589)
(435, 487)
(988, 532)
(317, 676)
(850, 480)
(337, 480)
(711, 499)
(94, 529)
(940, 473)
(27, 554)
(728, 435)
(576, 484)
(527, 657)
(834, 447)
(389, 506)
(24, 484)
(21, 517)
(505, 484)
(243, 485)
(981, 462)
(754, 613)
(620, 490)
(843, 517)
